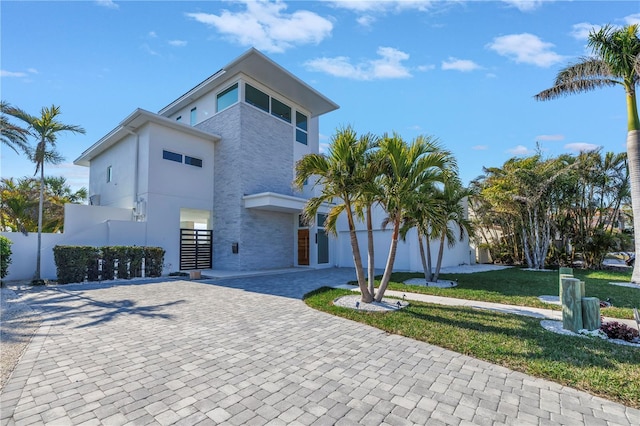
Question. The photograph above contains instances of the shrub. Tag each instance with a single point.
(75, 263)
(5, 255)
(617, 330)
(154, 261)
(72, 262)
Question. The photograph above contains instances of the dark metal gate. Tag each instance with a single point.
(196, 249)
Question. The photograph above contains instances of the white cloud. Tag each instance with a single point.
(152, 34)
(581, 31)
(527, 49)
(178, 43)
(266, 26)
(369, 10)
(388, 66)
(632, 19)
(5, 73)
(149, 50)
(525, 5)
(109, 4)
(480, 147)
(463, 65)
(520, 150)
(424, 68)
(32, 71)
(366, 20)
(384, 6)
(581, 147)
(556, 137)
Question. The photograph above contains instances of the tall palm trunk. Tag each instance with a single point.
(390, 260)
(633, 158)
(370, 252)
(440, 253)
(429, 263)
(37, 275)
(425, 267)
(366, 297)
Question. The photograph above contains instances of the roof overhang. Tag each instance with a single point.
(131, 125)
(256, 65)
(272, 201)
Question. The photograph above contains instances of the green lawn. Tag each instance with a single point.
(515, 286)
(520, 343)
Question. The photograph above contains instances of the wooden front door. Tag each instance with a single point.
(303, 247)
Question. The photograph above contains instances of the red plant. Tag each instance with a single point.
(617, 330)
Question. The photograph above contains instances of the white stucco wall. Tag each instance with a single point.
(119, 192)
(24, 255)
(408, 252)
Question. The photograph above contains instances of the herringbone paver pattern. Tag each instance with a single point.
(249, 352)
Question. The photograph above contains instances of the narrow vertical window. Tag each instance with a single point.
(193, 116)
(301, 128)
(109, 174)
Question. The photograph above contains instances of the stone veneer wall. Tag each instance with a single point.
(255, 154)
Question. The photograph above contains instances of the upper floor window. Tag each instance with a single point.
(179, 118)
(227, 97)
(280, 110)
(301, 128)
(256, 97)
(109, 174)
(172, 156)
(193, 117)
(192, 161)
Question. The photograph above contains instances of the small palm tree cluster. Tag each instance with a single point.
(415, 183)
(45, 130)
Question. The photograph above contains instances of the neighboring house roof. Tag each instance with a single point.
(131, 124)
(255, 64)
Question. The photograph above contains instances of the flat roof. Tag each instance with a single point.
(132, 123)
(256, 65)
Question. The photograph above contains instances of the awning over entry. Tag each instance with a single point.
(275, 202)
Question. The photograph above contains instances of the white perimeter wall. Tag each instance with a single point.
(84, 226)
(408, 252)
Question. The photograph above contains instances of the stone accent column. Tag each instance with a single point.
(571, 304)
(591, 313)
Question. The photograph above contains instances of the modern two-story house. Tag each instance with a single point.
(209, 177)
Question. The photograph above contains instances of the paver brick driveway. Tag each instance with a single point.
(248, 351)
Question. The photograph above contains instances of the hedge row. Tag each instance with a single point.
(79, 263)
(5, 255)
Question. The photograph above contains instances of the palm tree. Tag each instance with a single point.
(451, 198)
(406, 168)
(45, 129)
(368, 195)
(616, 63)
(15, 137)
(18, 205)
(423, 215)
(339, 174)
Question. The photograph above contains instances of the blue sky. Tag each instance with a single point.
(464, 72)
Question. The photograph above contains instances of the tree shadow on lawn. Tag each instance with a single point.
(504, 335)
(67, 306)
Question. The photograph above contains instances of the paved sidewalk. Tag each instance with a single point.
(499, 307)
(249, 351)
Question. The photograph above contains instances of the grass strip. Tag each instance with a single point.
(516, 342)
(515, 286)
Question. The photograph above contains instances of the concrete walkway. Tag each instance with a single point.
(249, 351)
(498, 307)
